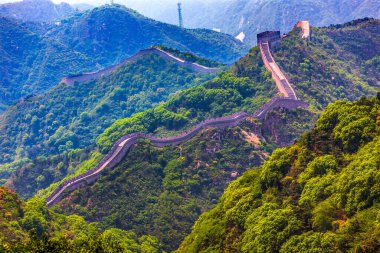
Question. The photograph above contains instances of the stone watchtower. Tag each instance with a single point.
(272, 37)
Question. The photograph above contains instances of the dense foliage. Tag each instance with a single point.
(340, 62)
(162, 191)
(36, 10)
(234, 90)
(319, 195)
(90, 33)
(70, 117)
(35, 57)
(32, 227)
(31, 64)
(246, 86)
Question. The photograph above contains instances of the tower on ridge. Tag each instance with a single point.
(180, 22)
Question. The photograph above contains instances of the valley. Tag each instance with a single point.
(120, 133)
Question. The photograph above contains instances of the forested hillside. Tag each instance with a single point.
(34, 57)
(319, 195)
(36, 10)
(172, 174)
(110, 33)
(162, 191)
(340, 62)
(31, 227)
(31, 64)
(68, 118)
(246, 86)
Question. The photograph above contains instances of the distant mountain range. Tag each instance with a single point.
(248, 17)
(36, 10)
(36, 56)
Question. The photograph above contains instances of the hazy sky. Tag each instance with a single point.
(95, 2)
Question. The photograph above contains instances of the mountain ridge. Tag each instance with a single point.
(88, 76)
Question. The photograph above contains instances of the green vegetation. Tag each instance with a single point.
(318, 195)
(233, 90)
(35, 57)
(245, 86)
(223, 95)
(162, 191)
(340, 62)
(132, 32)
(31, 227)
(31, 64)
(69, 118)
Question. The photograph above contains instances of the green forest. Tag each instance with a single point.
(284, 191)
(35, 56)
(66, 121)
(319, 195)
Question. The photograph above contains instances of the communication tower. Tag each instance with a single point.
(180, 21)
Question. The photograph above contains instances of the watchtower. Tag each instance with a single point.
(272, 37)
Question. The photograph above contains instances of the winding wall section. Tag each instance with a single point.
(121, 147)
(86, 77)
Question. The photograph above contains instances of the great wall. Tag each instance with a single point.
(120, 148)
(86, 77)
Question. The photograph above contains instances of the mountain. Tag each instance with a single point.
(112, 32)
(36, 56)
(158, 192)
(165, 189)
(318, 195)
(36, 10)
(70, 117)
(31, 64)
(248, 18)
(340, 62)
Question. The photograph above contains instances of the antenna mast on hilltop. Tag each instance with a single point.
(180, 15)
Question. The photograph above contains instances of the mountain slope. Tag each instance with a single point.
(111, 33)
(31, 64)
(35, 56)
(176, 172)
(254, 16)
(31, 227)
(36, 10)
(340, 62)
(70, 117)
(161, 191)
(318, 195)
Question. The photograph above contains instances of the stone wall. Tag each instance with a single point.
(86, 77)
